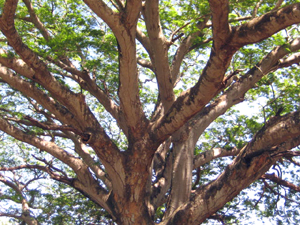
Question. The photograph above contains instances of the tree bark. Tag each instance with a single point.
(121, 182)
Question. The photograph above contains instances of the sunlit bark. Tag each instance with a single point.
(164, 144)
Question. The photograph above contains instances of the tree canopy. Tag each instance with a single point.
(147, 111)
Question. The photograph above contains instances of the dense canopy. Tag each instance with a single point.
(147, 111)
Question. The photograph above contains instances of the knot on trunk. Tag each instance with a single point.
(86, 137)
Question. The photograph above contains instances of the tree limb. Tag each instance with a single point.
(159, 46)
(82, 150)
(278, 180)
(25, 207)
(85, 179)
(184, 48)
(36, 21)
(144, 40)
(264, 26)
(87, 83)
(220, 25)
(254, 160)
(234, 94)
(98, 139)
(105, 13)
(74, 102)
(123, 25)
(215, 153)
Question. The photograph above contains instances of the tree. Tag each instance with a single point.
(132, 105)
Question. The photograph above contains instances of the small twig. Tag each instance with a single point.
(262, 194)
(256, 8)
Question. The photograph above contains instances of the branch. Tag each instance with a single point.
(211, 81)
(159, 53)
(144, 40)
(277, 193)
(52, 126)
(123, 25)
(74, 102)
(279, 135)
(47, 169)
(10, 215)
(26, 166)
(234, 94)
(184, 48)
(40, 26)
(30, 90)
(208, 86)
(163, 182)
(85, 179)
(264, 26)
(28, 219)
(278, 4)
(254, 13)
(278, 180)
(36, 21)
(293, 161)
(221, 29)
(292, 59)
(145, 63)
(120, 4)
(131, 13)
(82, 151)
(215, 153)
(76, 164)
(18, 187)
(105, 13)
(97, 138)
(84, 80)
(11, 185)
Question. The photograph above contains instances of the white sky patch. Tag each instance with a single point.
(251, 108)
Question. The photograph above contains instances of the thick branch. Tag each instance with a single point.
(105, 13)
(292, 59)
(145, 63)
(208, 85)
(132, 12)
(74, 102)
(144, 40)
(85, 179)
(159, 50)
(50, 147)
(123, 25)
(82, 150)
(90, 85)
(11, 185)
(264, 26)
(97, 138)
(236, 92)
(184, 105)
(254, 160)
(220, 25)
(31, 91)
(25, 207)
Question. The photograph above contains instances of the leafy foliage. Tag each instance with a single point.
(73, 38)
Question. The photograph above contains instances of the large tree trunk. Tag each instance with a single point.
(181, 184)
(120, 180)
